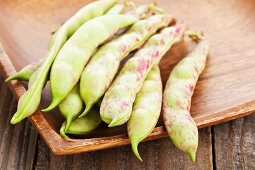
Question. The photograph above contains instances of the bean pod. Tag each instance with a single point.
(146, 109)
(25, 73)
(118, 100)
(66, 71)
(82, 126)
(116, 9)
(30, 100)
(177, 100)
(105, 63)
(71, 106)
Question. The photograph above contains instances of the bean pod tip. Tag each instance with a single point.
(63, 131)
(86, 111)
(68, 123)
(134, 145)
(114, 122)
(54, 103)
(192, 156)
(9, 79)
(15, 119)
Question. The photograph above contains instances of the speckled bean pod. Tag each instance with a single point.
(118, 100)
(71, 106)
(100, 71)
(146, 109)
(25, 73)
(74, 55)
(177, 100)
(30, 100)
(84, 125)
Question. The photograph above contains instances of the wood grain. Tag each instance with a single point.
(159, 154)
(17, 143)
(234, 144)
(25, 27)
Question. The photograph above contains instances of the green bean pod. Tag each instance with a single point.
(74, 55)
(30, 100)
(25, 73)
(118, 100)
(105, 63)
(177, 100)
(116, 9)
(84, 125)
(146, 109)
(71, 106)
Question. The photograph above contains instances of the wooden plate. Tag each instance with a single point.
(225, 90)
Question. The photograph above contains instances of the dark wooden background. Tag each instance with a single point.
(226, 146)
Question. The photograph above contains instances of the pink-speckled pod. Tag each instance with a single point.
(177, 100)
(146, 109)
(117, 103)
(100, 71)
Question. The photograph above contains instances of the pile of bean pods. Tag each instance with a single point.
(82, 63)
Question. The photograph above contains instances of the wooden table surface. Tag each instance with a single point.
(226, 146)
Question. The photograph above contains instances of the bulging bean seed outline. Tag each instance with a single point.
(105, 63)
(117, 103)
(146, 109)
(177, 100)
(66, 71)
(30, 100)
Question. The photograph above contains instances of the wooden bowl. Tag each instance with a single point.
(225, 90)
